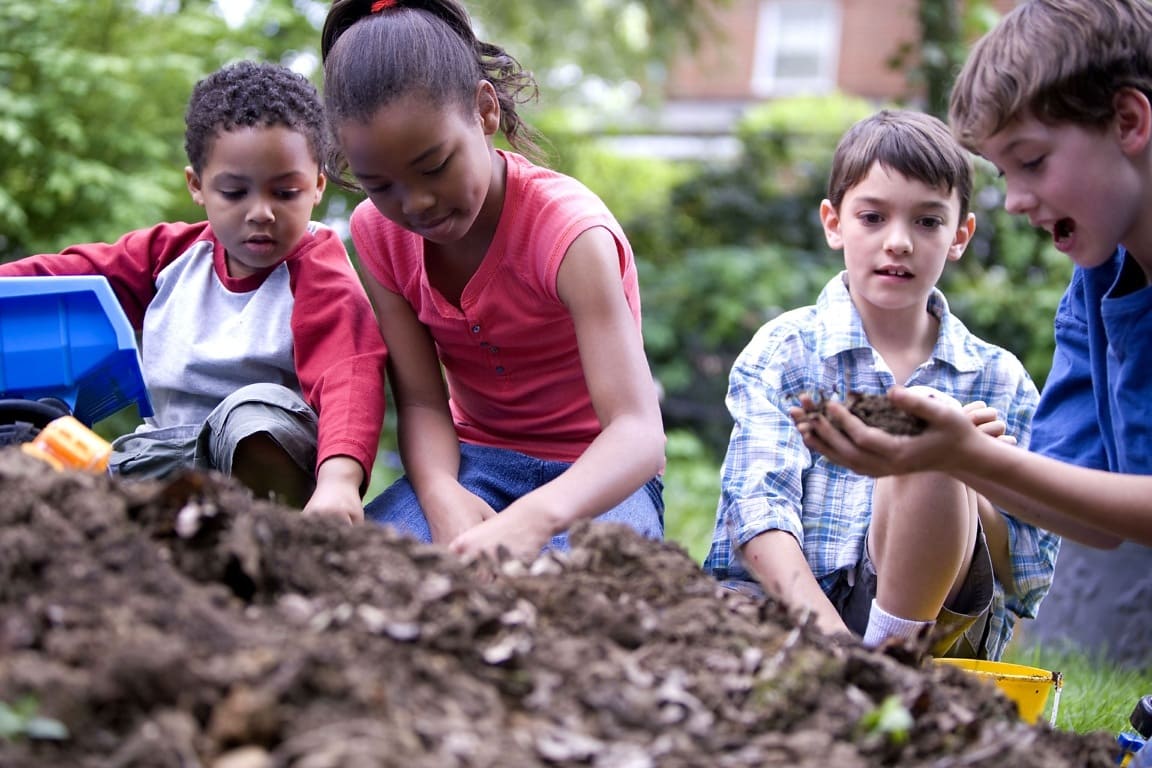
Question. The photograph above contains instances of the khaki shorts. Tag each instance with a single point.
(250, 410)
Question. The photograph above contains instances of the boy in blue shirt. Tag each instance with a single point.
(882, 558)
(1057, 96)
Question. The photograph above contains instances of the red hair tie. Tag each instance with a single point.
(380, 5)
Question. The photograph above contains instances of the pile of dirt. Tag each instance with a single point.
(183, 624)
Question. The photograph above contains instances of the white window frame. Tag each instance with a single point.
(777, 33)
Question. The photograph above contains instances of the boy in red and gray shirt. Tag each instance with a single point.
(260, 348)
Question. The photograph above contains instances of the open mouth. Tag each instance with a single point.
(1063, 230)
(895, 272)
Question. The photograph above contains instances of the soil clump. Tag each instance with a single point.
(875, 411)
(184, 624)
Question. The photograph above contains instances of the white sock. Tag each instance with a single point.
(883, 625)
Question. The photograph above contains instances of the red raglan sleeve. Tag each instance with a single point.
(340, 354)
(130, 264)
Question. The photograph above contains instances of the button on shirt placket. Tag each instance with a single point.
(492, 350)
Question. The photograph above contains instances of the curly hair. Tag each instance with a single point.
(250, 93)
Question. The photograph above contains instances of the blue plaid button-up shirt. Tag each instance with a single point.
(771, 481)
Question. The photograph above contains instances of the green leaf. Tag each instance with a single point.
(890, 719)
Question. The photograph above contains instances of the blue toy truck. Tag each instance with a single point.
(66, 348)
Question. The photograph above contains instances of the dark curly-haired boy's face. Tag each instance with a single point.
(258, 187)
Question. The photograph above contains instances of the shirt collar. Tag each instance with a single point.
(843, 330)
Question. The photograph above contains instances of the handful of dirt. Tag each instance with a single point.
(877, 411)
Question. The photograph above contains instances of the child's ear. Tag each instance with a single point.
(194, 185)
(1133, 120)
(830, 218)
(488, 107)
(321, 183)
(963, 236)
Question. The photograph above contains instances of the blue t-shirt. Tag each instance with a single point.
(1096, 407)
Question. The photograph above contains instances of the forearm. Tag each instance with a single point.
(341, 470)
(778, 563)
(429, 450)
(1091, 506)
(626, 454)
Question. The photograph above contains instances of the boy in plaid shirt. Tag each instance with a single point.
(881, 558)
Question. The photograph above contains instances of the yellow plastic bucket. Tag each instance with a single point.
(1027, 686)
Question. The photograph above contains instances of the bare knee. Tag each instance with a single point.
(921, 539)
(270, 472)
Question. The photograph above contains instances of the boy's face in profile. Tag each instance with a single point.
(896, 233)
(258, 188)
(1076, 182)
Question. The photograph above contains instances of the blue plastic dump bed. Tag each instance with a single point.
(68, 338)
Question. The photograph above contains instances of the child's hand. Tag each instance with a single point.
(518, 529)
(846, 440)
(337, 493)
(454, 511)
(988, 421)
(336, 501)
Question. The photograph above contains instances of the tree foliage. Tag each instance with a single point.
(946, 29)
(92, 94)
(737, 245)
(610, 39)
(92, 100)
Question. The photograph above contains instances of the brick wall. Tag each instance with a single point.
(871, 32)
(722, 67)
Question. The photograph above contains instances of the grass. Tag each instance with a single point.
(1098, 694)
(691, 490)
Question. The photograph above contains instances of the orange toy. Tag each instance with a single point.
(66, 443)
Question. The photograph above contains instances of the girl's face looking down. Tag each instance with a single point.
(428, 167)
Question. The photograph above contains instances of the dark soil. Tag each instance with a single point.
(184, 624)
(877, 411)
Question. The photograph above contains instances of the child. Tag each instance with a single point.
(260, 350)
(513, 278)
(880, 558)
(1057, 97)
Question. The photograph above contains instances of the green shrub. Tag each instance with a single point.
(700, 312)
(691, 491)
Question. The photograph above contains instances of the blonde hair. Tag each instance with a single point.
(1054, 60)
